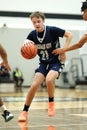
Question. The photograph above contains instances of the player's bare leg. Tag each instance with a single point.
(50, 83)
(38, 79)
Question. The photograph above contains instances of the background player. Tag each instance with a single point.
(46, 39)
(6, 114)
(82, 41)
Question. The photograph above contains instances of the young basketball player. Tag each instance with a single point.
(5, 113)
(46, 39)
(82, 41)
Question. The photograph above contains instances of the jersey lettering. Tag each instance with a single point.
(44, 46)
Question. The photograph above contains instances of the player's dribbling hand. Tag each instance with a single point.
(58, 51)
(28, 41)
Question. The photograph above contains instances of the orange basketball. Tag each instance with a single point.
(29, 50)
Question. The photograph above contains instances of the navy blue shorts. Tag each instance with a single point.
(45, 68)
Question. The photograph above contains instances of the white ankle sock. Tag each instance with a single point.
(3, 108)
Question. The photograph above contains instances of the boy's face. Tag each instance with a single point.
(38, 23)
(85, 14)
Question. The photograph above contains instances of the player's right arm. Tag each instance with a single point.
(77, 45)
(3, 55)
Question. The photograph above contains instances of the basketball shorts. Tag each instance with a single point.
(45, 68)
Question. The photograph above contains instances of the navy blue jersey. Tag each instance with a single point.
(48, 44)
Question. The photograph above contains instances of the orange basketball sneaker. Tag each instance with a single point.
(23, 125)
(51, 109)
(23, 116)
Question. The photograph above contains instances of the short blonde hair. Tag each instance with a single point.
(37, 14)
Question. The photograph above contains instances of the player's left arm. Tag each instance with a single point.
(68, 36)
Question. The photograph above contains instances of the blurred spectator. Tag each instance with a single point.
(65, 72)
(18, 77)
(4, 72)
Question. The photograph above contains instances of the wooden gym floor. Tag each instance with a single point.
(71, 110)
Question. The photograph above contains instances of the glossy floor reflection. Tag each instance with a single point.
(71, 110)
